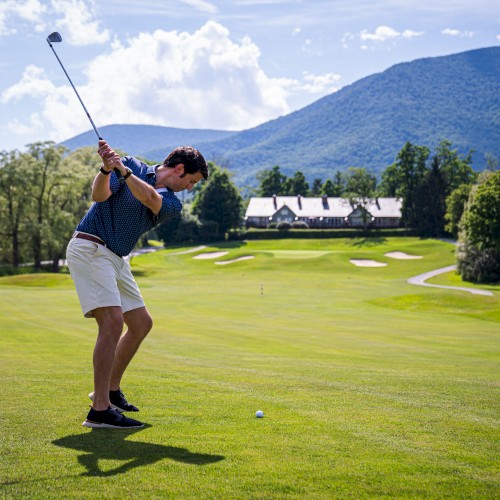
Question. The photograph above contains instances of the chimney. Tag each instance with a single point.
(299, 199)
(324, 200)
(275, 203)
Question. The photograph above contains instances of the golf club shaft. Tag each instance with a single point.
(76, 92)
(81, 102)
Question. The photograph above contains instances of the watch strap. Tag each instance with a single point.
(104, 172)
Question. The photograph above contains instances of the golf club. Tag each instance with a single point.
(56, 38)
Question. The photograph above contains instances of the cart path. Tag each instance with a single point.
(421, 281)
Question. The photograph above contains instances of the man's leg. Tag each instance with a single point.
(110, 322)
(139, 324)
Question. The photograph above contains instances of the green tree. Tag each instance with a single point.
(339, 184)
(409, 175)
(360, 189)
(59, 196)
(328, 189)
(456, 170)
(219, 203)
(296, 185)
(48, 175)
(446, 173)
(271, 182)
(390, 183)
(478, 253)
(316, 187)
(68, 200)
(43, 195)
(336, 187)
(360, 183)
(455, 205)
(492, 162)
(182, 229)
(432, 201)
(481, 221)
(15, 175)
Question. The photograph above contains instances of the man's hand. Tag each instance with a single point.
(110, 159)
(142, 191)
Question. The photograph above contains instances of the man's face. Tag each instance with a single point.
(183, 181)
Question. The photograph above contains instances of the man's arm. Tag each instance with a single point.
(141, 190)
(100, 186)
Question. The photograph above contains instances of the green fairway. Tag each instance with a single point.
(370, 386)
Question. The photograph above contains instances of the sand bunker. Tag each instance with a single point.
(402, 255)
(190, 250)
(210, 255)
(224, 262)
(367, 263)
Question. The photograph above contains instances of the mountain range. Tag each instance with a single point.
(365, 124)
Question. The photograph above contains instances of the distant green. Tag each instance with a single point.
(370, 387)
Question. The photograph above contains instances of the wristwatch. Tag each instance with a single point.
(128, 174)
(104, 172)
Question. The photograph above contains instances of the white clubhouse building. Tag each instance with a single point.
(323, 212)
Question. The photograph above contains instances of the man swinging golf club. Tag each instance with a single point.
(130, 198)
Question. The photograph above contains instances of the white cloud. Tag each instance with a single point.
(188, 80)
(321, 84)
(458, 33)
(34, 126)
(381, 35)
(498, 37)
(78, 23)
(347, 38)
(56, 104)
(29, 10)
(33, 83)
(412, 34)
(201, 5)
(76, 18)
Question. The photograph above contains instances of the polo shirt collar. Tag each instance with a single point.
(151, 174)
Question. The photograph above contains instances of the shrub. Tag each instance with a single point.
(478, 266)
(272, 234)
(300, 224)
(209, 231)
(283, 226)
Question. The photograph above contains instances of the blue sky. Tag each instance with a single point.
(209, 64)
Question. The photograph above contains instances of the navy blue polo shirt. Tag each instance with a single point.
(122, 219)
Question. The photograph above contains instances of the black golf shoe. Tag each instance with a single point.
(110, 418)
(118, 401)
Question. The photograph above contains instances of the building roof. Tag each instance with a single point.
(320, 207)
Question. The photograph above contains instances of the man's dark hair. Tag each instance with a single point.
(190, 157)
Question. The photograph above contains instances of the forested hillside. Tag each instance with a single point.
(454, 98)
(141, 139)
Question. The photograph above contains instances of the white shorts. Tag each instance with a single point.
(102, 278)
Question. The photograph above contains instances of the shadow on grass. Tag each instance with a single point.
(369, 242)
(111, 444)
(228, 244)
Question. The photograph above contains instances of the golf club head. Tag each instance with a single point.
(54, 37)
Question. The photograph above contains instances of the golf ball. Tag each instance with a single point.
(259, 414)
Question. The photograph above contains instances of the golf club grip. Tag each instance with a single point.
(117, 172)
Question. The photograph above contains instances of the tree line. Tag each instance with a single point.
(423, 182)
(46, 190)
(441, 196)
